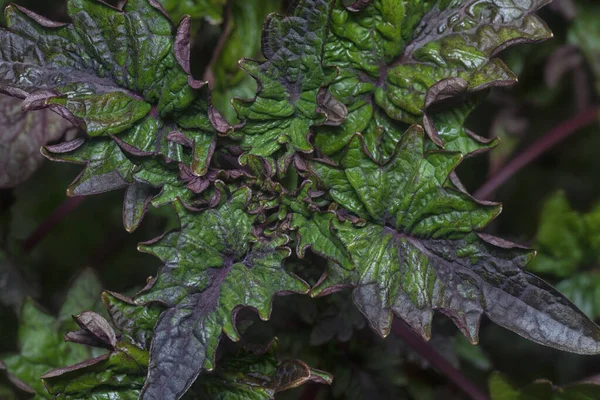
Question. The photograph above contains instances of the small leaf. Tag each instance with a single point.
(120, 374)
(135, 205)
(96, 328)
(134, 320)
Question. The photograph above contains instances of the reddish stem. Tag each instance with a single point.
(51, 221)
(422, 348)
(537, 148)
(208, 74)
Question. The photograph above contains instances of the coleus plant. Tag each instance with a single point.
(347, 150)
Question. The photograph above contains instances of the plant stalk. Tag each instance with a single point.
(51, 221)
(537, 148)
(422, 348)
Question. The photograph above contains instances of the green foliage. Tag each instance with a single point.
(209, 9)
(569, 244)
(502, 389)
(566, 239)
(212, 267)
(110, 89)
(337, 171)
(585, 33)
(42, 346)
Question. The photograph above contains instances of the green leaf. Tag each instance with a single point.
(120, 75)
(41, 336)
(213, 266)
(502, 389)
(583, 289)
(98, 76)
(417, 251)
(585, 33)
(569, 243)
(397, 59)
(118, 375)
(291, 94)
(84, 294)
(567, 240)
(156, 174)
(11, 388)
(21, 136)
(212, 10)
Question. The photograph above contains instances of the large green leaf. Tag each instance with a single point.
(120, 75)
(398, 58)
(416, 250)
(104, 79)
(292, 95)
(213, 266)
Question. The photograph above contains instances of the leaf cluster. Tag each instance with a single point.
(334, 170)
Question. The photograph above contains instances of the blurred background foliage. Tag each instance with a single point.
(551, 204)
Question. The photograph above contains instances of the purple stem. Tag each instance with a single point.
(51, 221)
(422, 348)
(537, 148)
